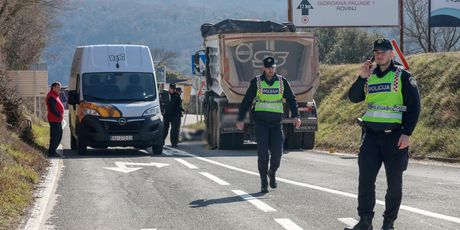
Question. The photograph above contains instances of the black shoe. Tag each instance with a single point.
(264, 189)
(388, 224)
(52, 154)
(264, 185)
(271, 176)
(365, 223)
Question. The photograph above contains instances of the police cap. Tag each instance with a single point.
(172, 86)
(382, 44)
(269, 62)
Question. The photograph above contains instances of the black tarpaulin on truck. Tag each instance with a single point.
(229, 26)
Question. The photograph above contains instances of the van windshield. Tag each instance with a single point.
(118, 86)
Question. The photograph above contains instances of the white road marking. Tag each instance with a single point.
(214, 178)
(350, 222)
(257, 203)
(337, 192)
(190, 166)
(288, 224)
(122, 166)
(43, 203)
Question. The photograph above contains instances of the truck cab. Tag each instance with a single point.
(113, 98)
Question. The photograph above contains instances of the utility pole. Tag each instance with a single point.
(401, 25)
(290, 11)
(429, 26)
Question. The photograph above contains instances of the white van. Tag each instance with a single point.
(113, 98)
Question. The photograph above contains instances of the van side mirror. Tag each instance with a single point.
(74, 97)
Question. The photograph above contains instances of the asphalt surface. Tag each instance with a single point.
(206, 189)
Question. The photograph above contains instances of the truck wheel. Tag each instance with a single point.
(73, 142)
(293, 140)
(157, 149)
(308, 140)
(225, 141)
(237, 140)
(214, 130)
(231, 141)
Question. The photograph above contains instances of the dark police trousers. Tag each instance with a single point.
(55, 137)
(269, 137)
(378, 148)
(175, 126)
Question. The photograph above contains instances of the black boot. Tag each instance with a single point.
(271, 176)
(388, 224)
(264, 184)
(365, 223)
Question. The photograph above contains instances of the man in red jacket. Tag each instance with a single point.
(55, 117)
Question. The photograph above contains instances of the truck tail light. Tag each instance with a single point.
(231, 110)
(307, 109)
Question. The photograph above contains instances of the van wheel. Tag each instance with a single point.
(81, 141)
(81, 146)
(73, 142)
(157, 149)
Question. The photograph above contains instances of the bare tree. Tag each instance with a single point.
(416, 29)
(163, 57)
(24, 27)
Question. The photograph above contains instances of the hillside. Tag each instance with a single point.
(172, 25)
(21, 167)
(438, 131)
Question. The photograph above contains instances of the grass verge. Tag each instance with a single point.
(21, 167)
(438, 131)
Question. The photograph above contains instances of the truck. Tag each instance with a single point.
(113, 99)
(233, 51)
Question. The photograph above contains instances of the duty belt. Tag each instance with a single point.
(269, 101)
(386, 131)
(396, 108)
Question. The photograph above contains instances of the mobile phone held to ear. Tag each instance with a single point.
(372, 61)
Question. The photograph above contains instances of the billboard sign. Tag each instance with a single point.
(329, 13)
(445, 13)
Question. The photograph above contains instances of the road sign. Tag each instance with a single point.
(161, 74)
(327, 13)
(444, 13)
(122, 166)
(201, 65)
(399, 56)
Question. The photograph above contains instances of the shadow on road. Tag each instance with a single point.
(203, 150)
(106, 153)
(224, 200)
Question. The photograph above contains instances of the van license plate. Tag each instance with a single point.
(121, 138)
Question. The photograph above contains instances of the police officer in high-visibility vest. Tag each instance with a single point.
(393, 108)
(268, 89)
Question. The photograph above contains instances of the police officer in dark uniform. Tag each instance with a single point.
(172, 115)
(182, 110)
(268, 89)
(393, 110)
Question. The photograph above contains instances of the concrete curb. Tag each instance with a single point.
(38, 214)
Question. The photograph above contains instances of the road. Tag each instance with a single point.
(192, 187)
